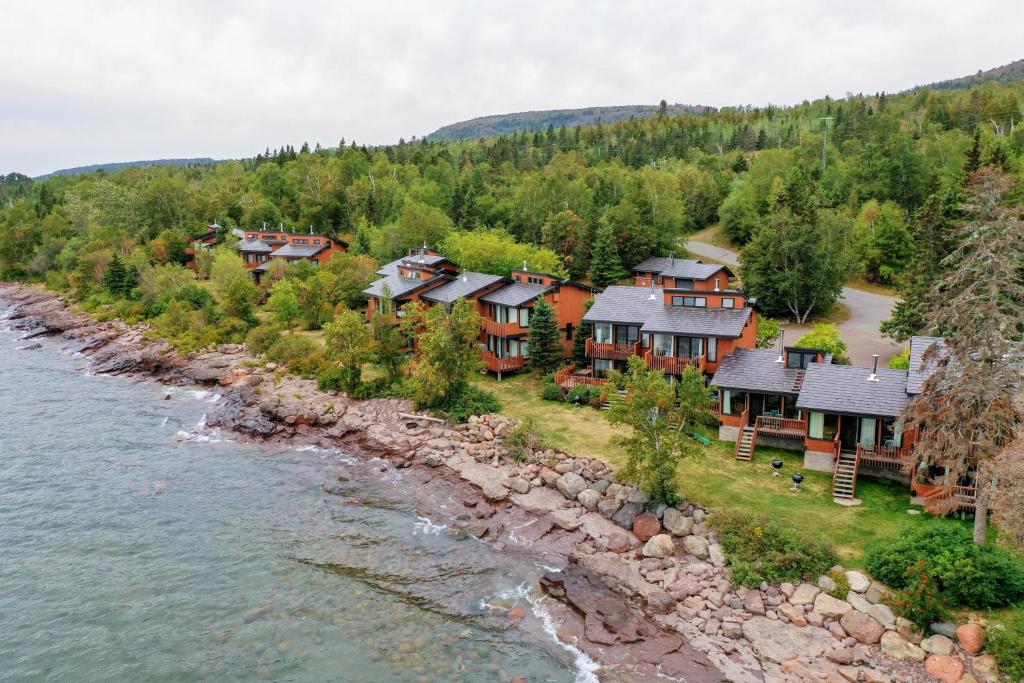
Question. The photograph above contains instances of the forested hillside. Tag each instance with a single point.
(867, 185)
(1007, 73)
(119, 165)
(531, 121)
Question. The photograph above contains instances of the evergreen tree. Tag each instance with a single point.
(605, 265)
(113, 279)
(583, 333)
(130, 281)
(545, 339)
(739, 164)
(973, 160)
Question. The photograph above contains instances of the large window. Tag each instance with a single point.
(800, 359)
(662, 344)
(626, 334)
(728, 303)
(892, 432)
(505, 314)
(690, 347)
(601, 367)
(733, 402)
(603, 333)
(524, 317)
(683, 283)
(823, 426)
(712, 349)
(691, 301)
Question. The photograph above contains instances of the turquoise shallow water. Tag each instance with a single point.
(131, 550)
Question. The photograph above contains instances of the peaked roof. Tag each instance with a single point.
(465, 284)
(757, 370)
(680, 267)
(514, 294)
(255, 246)
(847, 389)
(400, 286)
(646, 306)
(299, 250)
(919, 370)
(423, 259)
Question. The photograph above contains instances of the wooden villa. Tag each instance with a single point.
(259, 248)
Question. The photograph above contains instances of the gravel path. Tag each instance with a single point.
(859, 331)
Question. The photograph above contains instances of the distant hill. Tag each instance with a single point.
(13, 186)
(128, 164)
(1008, 73)
(530, 121)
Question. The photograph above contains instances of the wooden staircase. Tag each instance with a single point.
(745, 443)
(948, 499)
(606, 404)
(844, 477)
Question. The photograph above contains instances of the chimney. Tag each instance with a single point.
(671, 258)
(524, 265)
(873, 377)
(782, 346)
(652, 297)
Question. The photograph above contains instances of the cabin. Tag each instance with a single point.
(846, 419)
(505, 304)
(259, 248)
(686, 314)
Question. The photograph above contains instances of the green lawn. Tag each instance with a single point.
(717, 480)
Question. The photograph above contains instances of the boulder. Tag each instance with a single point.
(661, 602)
(519, 485)
(858, 582)
(826, 583)
(699, 515)
(830, 607)
(858, 602)
(608, 507)
(985, 667)
(626, 514)
(944, 628)
(876, 592)
(945, 668)
(792, 613)
(646, 526)
(716, 555)
(696, 546)
(549, 476)
(660, 546)
(754, 603)
(862, 627)
(571, 484)
(804, 594)
(895, 646)
(780, 642)
(910, 631)
(676, 523)
(971, 638)
(883, 614)
(937, 645)
(589, 498)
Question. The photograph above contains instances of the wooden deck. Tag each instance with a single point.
(672, 365)
(507, 364)
(569, 377)
(603, 351)
(782, 427)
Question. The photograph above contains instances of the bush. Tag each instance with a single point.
(584, 394)
(760, 549)
(1005, 641)
(471, 400)
(842, 584)
(920, 600)
(303, 356)
(524, 439)
(261, 338)
(551, 392)
(967, 574)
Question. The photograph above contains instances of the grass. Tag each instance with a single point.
(717, 480)
(712, 234)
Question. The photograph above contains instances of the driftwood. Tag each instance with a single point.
(411, 416)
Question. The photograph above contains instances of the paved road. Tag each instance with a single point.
(860, 331)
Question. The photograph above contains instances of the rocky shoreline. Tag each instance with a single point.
(644, 590)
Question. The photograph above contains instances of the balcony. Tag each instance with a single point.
(604, 351)
(496, 329)
(569, 377)
(672, 365)
(883, 457)
(507, 364)
(783, 427)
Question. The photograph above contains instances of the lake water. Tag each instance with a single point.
(131, 548)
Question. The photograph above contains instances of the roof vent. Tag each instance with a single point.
(465, 278)
(873, 377)
(652, 297)
(672, 258)
(782, 347)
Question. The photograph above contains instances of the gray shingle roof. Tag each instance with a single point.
(919, 370)
(427, 259)
(688, 320)
(756, 370)
(299, 250)
(679, 267)
(255, 246)
(846, 389)
(466, 284)
(514, 294)
(400, 286)
(634, 306)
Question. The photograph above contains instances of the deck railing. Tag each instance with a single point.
(672, 365)
(498, 364)
(604, 351)
(883, 457)
(643, 281)
(494, 328)
(785, 427)
(950, 498)
(567, 378)
(744, 420)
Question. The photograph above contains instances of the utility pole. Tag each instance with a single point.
(824, 143)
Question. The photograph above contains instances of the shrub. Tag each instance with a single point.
(966, 574)
(471, 400)
(331, 378)
(303, 356)
(842, 584)
(261, 338)
(551, 392)
(1005, 641)
(584, 394)
(761, 549)
(525, 438)
(920, 601)
(232, 330)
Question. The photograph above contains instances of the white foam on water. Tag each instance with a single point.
(586, 668)
(307, 448)
(512, 536)
(164, 423)
(546, 567)
(427, 528)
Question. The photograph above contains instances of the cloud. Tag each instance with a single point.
(88, 82)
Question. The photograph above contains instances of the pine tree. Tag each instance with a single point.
(130, 281)
(739, 164)
(545, 341)
(579, 342)
(113, 279)
(605, 265)
(973, 162)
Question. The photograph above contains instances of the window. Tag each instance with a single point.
(316, 241)
(677, 301)
(300, 241)
(603, 333)
(800, 359)
(534, 280)
(568, 332)
(524, 317)
(868, 427)
(728, 303)
(601, 367)
(733, 402)
(626, 334)
(682, 283)
(693, 301)
(690, 347)
(524, 349)
(504, 314)
(712, 349)
(823, 426)
(662, 344)
(892, 432)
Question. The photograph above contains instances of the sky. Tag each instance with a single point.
(101, 81)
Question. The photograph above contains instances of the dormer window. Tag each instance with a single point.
(728, 303)
(534, 280)
(690, 301)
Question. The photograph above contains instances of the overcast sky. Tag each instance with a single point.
(89, 82)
